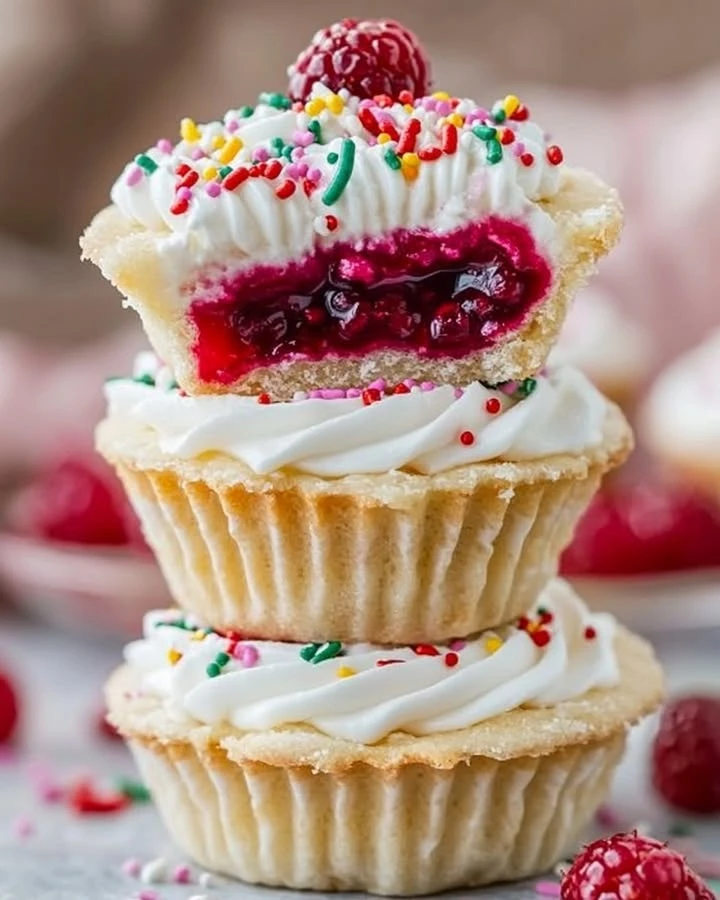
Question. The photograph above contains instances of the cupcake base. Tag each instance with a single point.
(500, 801)
(395, 558)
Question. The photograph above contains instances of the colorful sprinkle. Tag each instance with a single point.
(493, 406)
(146, 163)
(451, 659)
(189, 131)
(316, 653)
(342, 173)
(467, 438)
(492, 644)
(425, 650)
(346, 672)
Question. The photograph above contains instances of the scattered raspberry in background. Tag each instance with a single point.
(9, 708)
(686, 754)
(641, 529)
(369, 58)
(631, 867)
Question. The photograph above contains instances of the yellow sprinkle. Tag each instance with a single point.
(456, 119)
(189, 131)
(345, 672)
(315, 106)
(218, 141)
(441, 95)
(533, 626)
(411, 159)
(493, 644)
(210, 173)
(174, 657)
(410, 172)
(230, 150)
(198, 636)
(335, 104)
(510, 104)
(383, 138)
(409, 108)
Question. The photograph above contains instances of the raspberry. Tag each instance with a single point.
(686, 754)
(368, 58)
(9, 708)
(631, 867)
(76, 501)
(644, 528)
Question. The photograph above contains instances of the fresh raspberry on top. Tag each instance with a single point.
(631, 867)
(686, 754)
(368, 58)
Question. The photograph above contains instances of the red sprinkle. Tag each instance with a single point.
(406, 143)
(449, 140)
(426, 650)
(371, 395)
(527, 159)
(388, 662)
(521, 114)
(554, 155)
(264, 399)
(467, 438)
(507, 136)
(285, 190)
(451, 659)
(493, 405)
(257, 171)
(85, 800)
(401, 389)
(189, 180)
(179, 207)
(369, 122)
(383, 100)
(236, 178)
(331, 222)
(309, 187)
(406, 97)
(273, 169)
(546, 618)
(523, 622)
(429, 154)
(541, 637)
(389, 129)
(590, 633)
(182, 169)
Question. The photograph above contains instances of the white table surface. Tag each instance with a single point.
(79, 858)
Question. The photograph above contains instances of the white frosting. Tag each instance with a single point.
(608, 347)
(683, 407)
(354, 698)
(418, 431)
(251, 223)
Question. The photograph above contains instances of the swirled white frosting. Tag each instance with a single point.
(419, 431)
(361, 697)
(253, 224)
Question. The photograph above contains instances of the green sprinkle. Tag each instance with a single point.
(494, 152)
(499, 115)
(527, 386)
(342, 174)
(112, 378)
(308, 651)
(245, 112)
(213, 670)
(392, 159)
(316, 128)
(224, 171)
(133, 790)
(330, 650)
(146, 163)
(277, 101)
(145, 379)
(484, 132)
(287, 151)
(332, 158)
(178, 623)
(222, 659)
(278, 145)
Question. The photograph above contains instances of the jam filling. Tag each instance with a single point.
(436, 296)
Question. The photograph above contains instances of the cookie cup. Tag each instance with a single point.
(292, 807)
(394, 558)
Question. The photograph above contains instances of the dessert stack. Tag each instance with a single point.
(358, 476)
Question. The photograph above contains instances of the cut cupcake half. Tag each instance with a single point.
(297, 246)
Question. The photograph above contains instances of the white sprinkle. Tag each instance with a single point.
(206, 880)
(146, 363)
(198, 897)
(299, 395)
(155, 871)
(321, 227)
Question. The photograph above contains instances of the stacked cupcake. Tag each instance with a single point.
(358, 477)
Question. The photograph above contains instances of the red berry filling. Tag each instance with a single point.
(412, 290)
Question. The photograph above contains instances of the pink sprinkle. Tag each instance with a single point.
(429, 103)
(315, 394)
(379, 384)
(443, 108)
(213, 189)
(197, 153)
(261, 154)
(314, 175)
(372, 141)
(410, 382)
(366, 104)
(518, 148)
(302, 139)
(457, 644)
(250, 656)
(134, 176)
(184, 193)
(23, 828)
(182, 874)
(427, 386)
(297, 154)
(333, 394)
(352, 393)
(292, 171)
(131, 868)
(508, 388)
(164, 145)
(148, 894)
(302, 169)
(232, 126)
(458, 392)
(547, 889)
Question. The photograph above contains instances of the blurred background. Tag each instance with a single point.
(629, 88)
